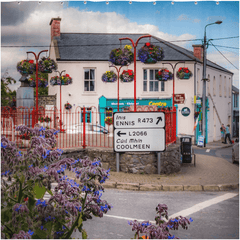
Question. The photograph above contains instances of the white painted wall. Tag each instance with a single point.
(109, 90)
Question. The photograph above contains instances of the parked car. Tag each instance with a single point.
(235, 153)
(90, 129)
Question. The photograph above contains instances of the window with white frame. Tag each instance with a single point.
(235, 100)
(214, 86)
(220, 86)
(198, 81)
(150, 83)
(225, 87)
(208, 85)
(89, 79)
(230, 88)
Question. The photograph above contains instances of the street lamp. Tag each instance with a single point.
(36, 58)
(60, 74)
(205, 45)
(118, 71)
(135, 59)
(173, 126)
(173, 69)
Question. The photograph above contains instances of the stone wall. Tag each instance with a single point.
(46, 100)
(132, 162)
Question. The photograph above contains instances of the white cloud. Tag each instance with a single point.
(35, 30)
(184, 17)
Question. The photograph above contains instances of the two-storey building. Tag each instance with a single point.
(85, 57)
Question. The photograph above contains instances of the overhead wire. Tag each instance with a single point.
(223, 55)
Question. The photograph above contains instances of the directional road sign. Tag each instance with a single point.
(139, 131)
(139, 120)
(144, 140)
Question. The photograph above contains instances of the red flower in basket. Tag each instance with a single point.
(130, 72)
(25, 136)
(184, 73)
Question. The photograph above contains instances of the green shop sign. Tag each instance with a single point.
(185, 111)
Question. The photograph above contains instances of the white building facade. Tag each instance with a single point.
(85, 58)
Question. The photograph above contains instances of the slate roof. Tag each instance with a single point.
(235, 89)
(97, 47)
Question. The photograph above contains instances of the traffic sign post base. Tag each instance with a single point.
(117, 161)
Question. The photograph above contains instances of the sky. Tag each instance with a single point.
(25, 26)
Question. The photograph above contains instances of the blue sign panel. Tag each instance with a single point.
(200, 141)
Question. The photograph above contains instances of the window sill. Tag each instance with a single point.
(153, 93)
(89, 93)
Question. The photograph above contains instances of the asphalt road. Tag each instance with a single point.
(216, 215)
(225, 153)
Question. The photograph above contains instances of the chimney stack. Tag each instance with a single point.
(198, 51)
(55, 27)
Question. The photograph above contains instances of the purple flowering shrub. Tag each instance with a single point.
(27, 176)
(163, 225)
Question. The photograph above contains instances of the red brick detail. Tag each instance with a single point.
(198, 51)
(55, 28)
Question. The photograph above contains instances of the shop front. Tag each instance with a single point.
(110, 105)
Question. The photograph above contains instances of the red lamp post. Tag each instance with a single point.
(173, 126)
(118, 71)
(135, 56)
(36, 58)
(173, 68)
(60, 73)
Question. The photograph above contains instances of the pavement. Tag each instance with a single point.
(211, 173)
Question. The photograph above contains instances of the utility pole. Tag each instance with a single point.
(205, 45)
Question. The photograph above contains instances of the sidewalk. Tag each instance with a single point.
(210, 174)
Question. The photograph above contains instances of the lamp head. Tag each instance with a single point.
(218, 22)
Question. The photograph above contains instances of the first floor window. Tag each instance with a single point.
(150, 83)
(89, 80)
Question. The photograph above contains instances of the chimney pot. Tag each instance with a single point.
(198, 51)
(55, 27)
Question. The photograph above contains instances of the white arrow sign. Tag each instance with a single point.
(144, 140)
(139, 120)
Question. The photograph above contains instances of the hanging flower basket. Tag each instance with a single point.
(163, 75)
(122, 57)
(44, 119)
(127, 76)
(150, 53)
(68, 106)
(46, 65)
(26, 67)
(184, 73)
(109, 76)
(63, 80)
(41, 82)
(108, 120)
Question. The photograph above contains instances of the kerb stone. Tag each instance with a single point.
(192, 187)
(172, 187)
(127, 186)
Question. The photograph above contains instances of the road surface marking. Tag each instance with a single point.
(208, 150)
(188, 211)
(128, 218)
(203, 205)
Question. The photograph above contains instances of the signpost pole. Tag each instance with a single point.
(159, 162)
(117, 161)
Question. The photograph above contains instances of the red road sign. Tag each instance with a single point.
(179, 98)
